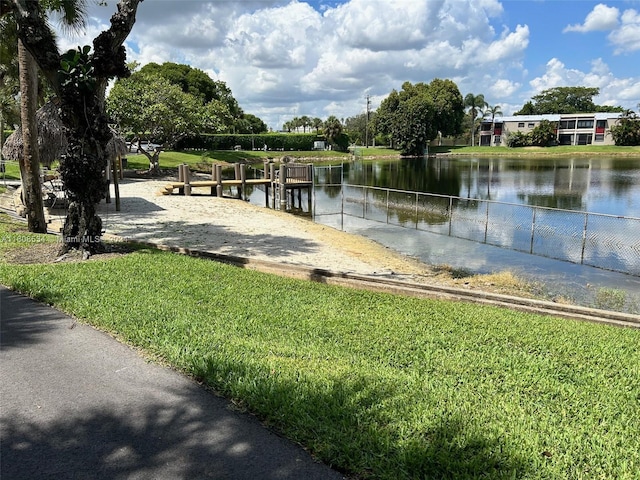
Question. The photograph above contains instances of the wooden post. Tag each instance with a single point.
(266, 169)
(283, 188)
(243, 179)
(310, 188)
(187, 180)
(213, 179)
(116, 187)
(181, 178)
(236, 176)
(219, 180)
(107, 173)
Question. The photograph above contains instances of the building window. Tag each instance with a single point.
(599, 137)
(567, 124)
(565, 139)
(485, 127)
(497, 140)
(521, 125)
(584, 139)
(585, 123)
(531, 125)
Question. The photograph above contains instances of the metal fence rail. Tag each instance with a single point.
(599, 240)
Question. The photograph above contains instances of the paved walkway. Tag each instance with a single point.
(75, 403)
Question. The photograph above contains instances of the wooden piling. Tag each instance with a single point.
(243, 181)
(283, 188)
(219, 180)
(187, 180)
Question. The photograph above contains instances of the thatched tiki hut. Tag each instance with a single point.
(52, 142)
(51, 139)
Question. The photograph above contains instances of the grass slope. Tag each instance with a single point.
(375, 384)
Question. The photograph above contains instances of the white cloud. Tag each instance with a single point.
(283, 58)
(627, 37)
(613, 91)
(600, 18)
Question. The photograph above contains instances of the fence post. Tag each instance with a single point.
(364, 202)
(450, 213)
(342, 207)
(584, 237)
(417, 210)
(387, 206)
(486, 223)
(533, 229)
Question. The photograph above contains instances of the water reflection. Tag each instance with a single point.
(601, 185)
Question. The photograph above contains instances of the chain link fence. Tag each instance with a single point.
(599, 240)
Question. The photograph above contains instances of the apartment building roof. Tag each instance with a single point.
(554, 117)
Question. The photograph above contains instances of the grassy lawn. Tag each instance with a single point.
(172, 159)
(377, 385)
(12, 172)
(586, 150)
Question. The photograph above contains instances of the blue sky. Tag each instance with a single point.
(291, 58)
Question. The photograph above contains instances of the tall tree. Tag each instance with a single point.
(415, 115)
(9, 79)
(474, 103)
(79, 80)
(333, 132)
(156, 110)
(30, 160)
(492, 111)
(72, 12)
(561, 100)
(627, 131)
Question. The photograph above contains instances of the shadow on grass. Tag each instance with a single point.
(353, 424)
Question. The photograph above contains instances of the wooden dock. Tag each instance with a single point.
(284, 180)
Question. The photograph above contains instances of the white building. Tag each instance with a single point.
(571, 129)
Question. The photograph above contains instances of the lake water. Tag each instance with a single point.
(599, 185)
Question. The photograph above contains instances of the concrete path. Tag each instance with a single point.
(75, 403)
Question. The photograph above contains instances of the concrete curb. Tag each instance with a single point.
(384, 284)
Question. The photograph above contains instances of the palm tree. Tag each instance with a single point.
(81, 98)
(317, 124)
(72, 14)
(30, 160)
(332, 129)
(9, 86)
(475, 103)
(494, 111)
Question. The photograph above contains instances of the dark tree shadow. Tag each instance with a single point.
(160, 441)
(24, 327)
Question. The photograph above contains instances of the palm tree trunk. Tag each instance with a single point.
(30, 162)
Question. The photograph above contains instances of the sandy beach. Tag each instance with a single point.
(236, 227)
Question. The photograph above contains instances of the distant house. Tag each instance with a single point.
(572, 129)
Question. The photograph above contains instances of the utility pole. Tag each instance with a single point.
(366, 128)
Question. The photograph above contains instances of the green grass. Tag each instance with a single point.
(374, 384)
(12, 171)
(170, 159)
(538, 151)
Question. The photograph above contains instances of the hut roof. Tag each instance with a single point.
(52, 142)
(51, 139)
